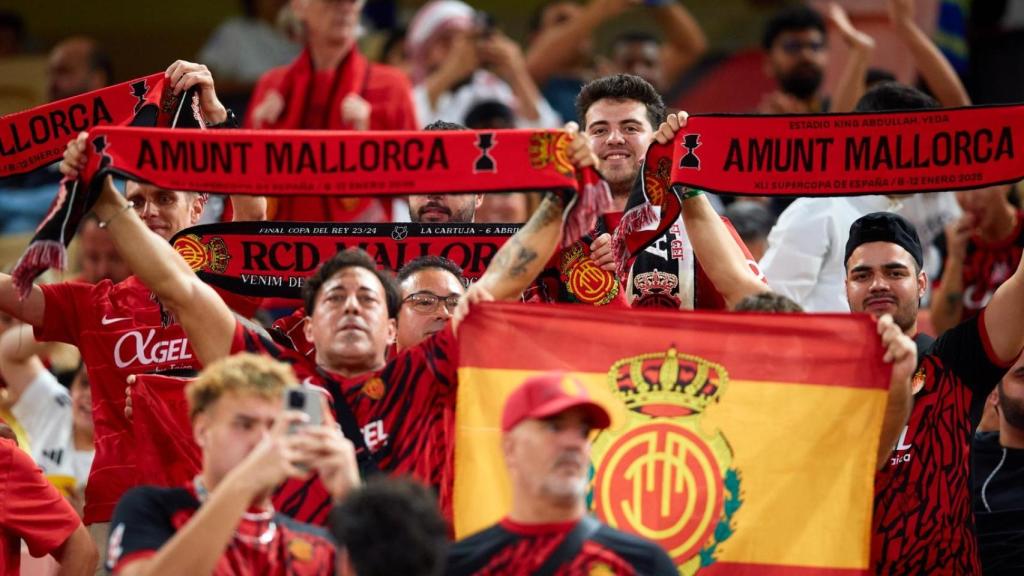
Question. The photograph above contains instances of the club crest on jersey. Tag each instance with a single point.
(374, 388)
(600, 569)
(584, 279)
(665, 475)
(300, 550)
(209, 256)
(548, 149)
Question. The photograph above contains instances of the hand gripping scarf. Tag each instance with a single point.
(145, 101)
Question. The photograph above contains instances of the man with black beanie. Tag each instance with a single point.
(922, 522)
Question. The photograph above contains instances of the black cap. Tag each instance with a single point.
(885, 227)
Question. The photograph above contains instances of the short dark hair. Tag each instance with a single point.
(790, 19)
(488, 114)
(621, 87)
(891, 96)
(350, 258)
(391, 526)
(634, 37)
(876, 75)
(442, 125)
(430, 261)
(767, 302)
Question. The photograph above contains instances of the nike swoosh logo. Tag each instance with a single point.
(108, 321)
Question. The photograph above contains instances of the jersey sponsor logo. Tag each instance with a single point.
(106, 321)
(902, 451)
(133, 348)
(55, 455)
(374, 435)
(663, 476)
(114, 548)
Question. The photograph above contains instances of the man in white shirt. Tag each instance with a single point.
(805, 254)
(57, 422)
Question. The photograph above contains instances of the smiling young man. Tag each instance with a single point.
(393, 410)
(923, 522)
(546, 426)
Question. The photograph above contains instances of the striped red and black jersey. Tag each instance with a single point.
(512, 548)
(986, 266)
(265, 543)
(404, 412)
(923, 522)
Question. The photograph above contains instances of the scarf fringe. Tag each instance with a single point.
(38, 257)
(593, 199)
(635, 220)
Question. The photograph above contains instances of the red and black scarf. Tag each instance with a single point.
(146, 101)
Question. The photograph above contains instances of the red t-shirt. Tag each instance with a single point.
(509, 547)
(923, 522)
(265, 543)
(117, 328)
(405, 413)
(986, 266)
(31, 509)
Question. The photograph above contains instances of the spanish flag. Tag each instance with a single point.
(741, 443)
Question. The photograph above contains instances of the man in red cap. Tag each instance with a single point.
(546, 426)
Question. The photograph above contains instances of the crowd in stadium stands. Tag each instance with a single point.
(319, 434)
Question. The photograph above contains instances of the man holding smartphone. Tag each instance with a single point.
(223, 521)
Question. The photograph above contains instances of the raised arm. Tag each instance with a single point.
(19, 360)
(207, 320)
(556, 48)
(685, 41)
(1004, 317)
(850, 86)
(713, 245)
(901, 352)
(936, 71)
(947, 303)
(519, 261)
(30, 310)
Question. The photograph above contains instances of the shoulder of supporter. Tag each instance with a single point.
(30, 507)
(143, 522)
(645, 556)
(965, 350)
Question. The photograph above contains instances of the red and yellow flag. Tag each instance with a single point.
(741, 443)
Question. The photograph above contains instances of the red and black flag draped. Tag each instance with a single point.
(37, 137)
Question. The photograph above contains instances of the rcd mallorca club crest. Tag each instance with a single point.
(210, 256)
(663, 476)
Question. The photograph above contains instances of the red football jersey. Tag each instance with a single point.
(404, 412)
(118, 329)
(31, 509)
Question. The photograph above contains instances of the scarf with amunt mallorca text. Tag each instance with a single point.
(312, 101)
(38, 137)
(812, 155)
(288, 163)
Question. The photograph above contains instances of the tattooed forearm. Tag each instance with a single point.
(549, 211)
(512, 259)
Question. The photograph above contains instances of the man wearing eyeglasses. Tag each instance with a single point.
(795, 57)
(431, 287)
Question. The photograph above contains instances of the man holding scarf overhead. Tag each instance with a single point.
(331, 86)
(393, 410)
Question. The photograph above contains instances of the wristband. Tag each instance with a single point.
(691, 193)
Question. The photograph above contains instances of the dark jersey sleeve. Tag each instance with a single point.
(646, 557)
(966, 351)
(143, 522)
